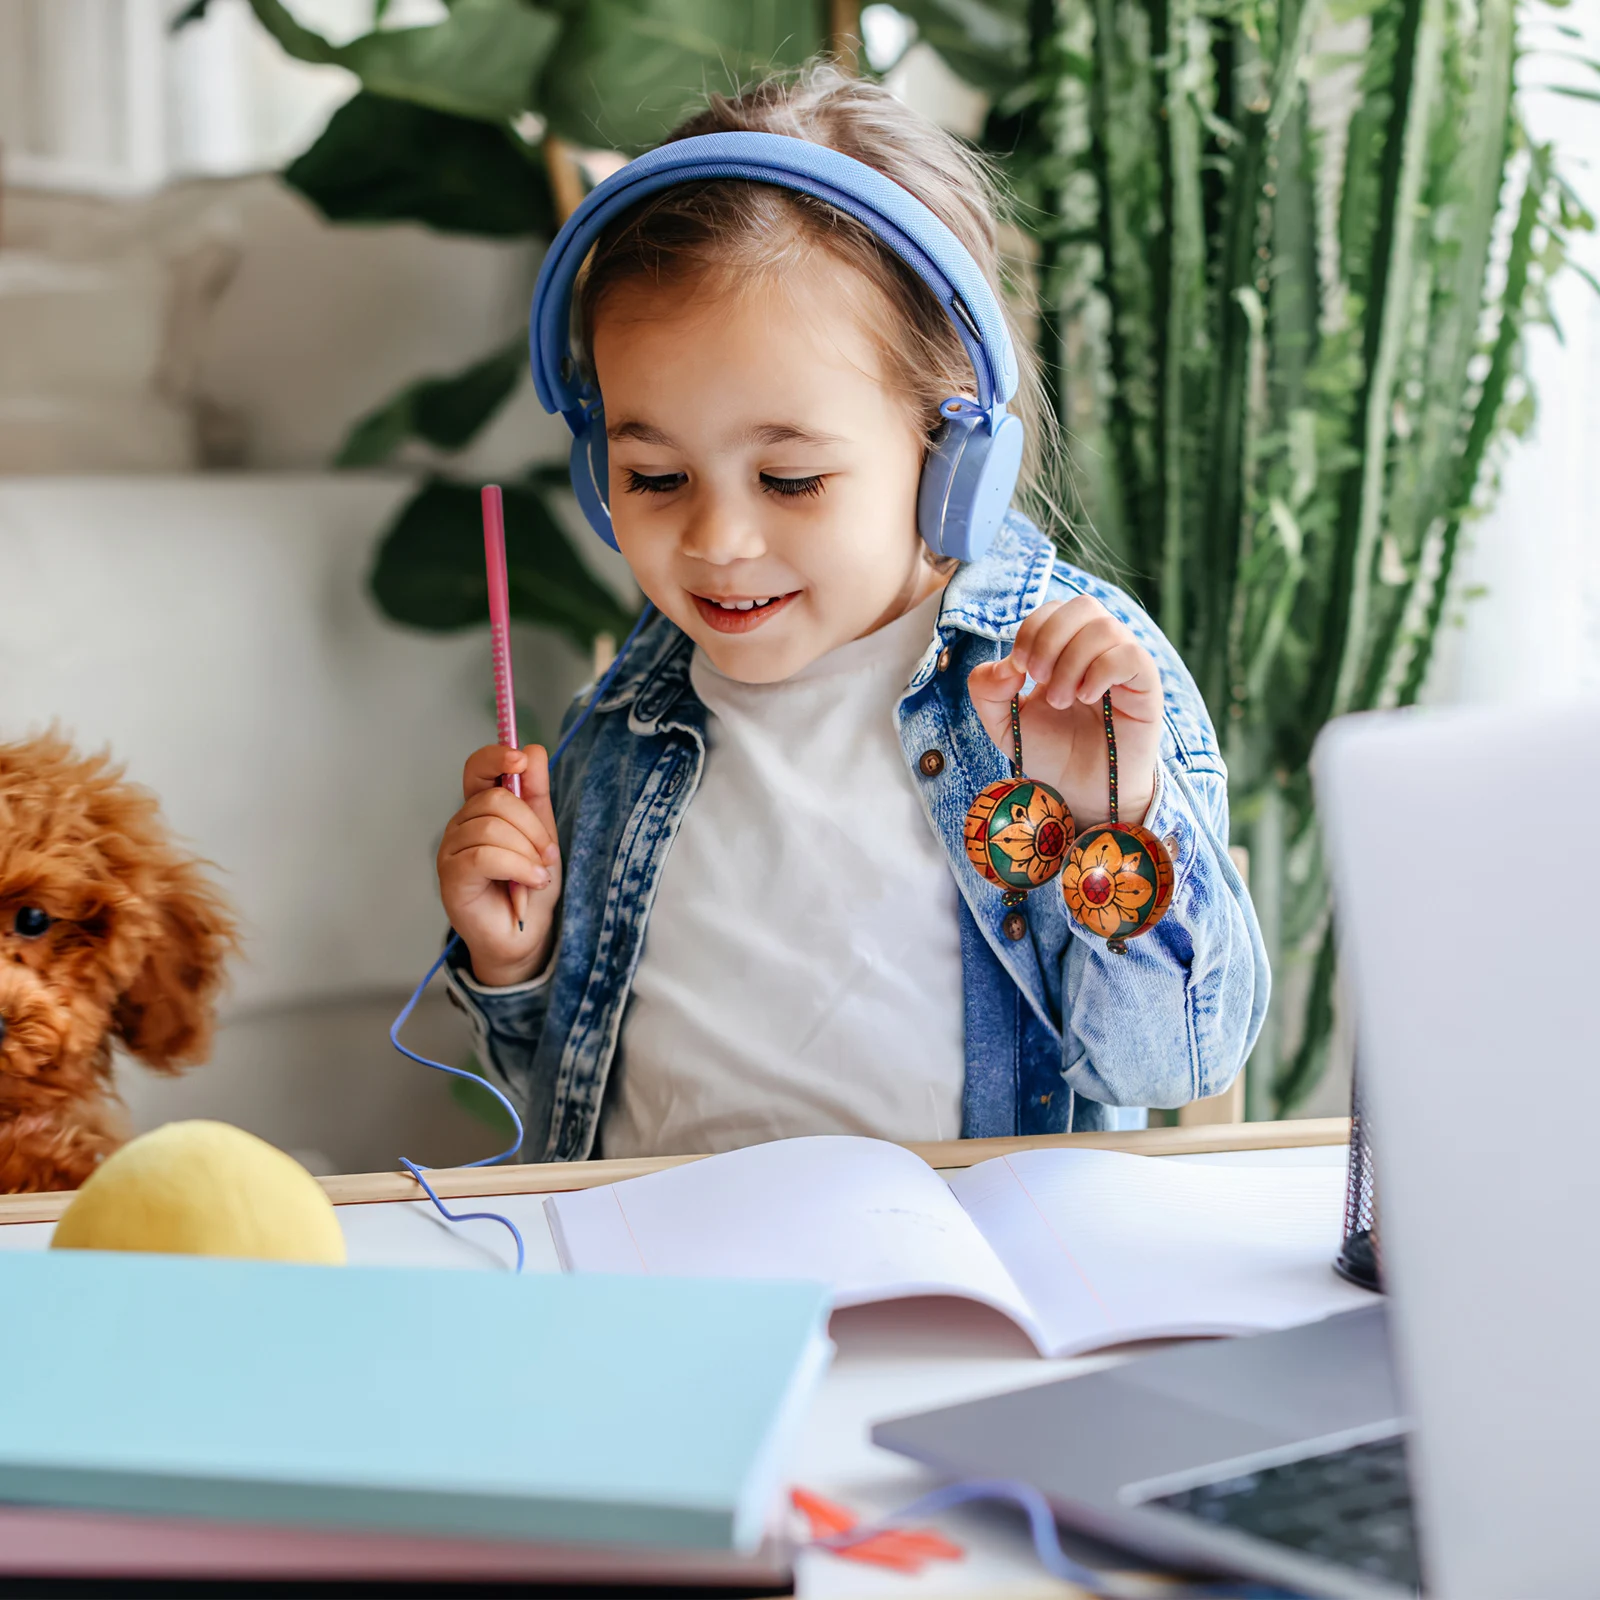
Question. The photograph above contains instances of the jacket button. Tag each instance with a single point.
(944, 658)
(1014, 926)
(931, 763)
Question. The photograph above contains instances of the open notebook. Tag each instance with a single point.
(1080, 1248)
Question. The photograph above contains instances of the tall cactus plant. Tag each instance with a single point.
(1285, 259)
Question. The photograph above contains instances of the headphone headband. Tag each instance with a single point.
(973, 460)
(892, 213)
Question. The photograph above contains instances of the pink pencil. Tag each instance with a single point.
(505, 701)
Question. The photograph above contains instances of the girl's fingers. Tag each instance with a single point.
(1050, 630)
(487, 766)
(501, 803)
(992, 686)
(1027, 639)
(536, 791)
(1129, 668)
(491, 830)
(491, 863)
(1106, 647)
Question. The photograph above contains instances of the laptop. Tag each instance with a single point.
(1445, 1440)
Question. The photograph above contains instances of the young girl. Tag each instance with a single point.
(750, 911)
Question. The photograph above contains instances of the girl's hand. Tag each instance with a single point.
(493, 841)
(1074, 651)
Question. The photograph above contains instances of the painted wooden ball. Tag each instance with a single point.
(1018, 833)
(1117, 881)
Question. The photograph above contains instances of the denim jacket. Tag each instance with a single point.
(1057, 1029)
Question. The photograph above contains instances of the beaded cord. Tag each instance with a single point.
(1111, 748)
(1117, 947)
(1014, 897)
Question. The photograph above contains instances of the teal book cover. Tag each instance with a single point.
(654, 1411)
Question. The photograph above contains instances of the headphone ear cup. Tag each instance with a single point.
(967, 483)
(590, 469)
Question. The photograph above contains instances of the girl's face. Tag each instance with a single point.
(763, 477)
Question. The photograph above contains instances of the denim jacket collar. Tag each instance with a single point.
(654, 678)
(988, 598)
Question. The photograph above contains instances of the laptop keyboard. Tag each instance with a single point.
(1351, 1507)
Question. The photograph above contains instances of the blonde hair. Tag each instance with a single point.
(733, 230)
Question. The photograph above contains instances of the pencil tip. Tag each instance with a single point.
(519, 925)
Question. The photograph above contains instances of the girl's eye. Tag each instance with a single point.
(31, 922)
(663, 483)
(789, 486)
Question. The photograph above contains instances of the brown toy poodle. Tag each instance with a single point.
(108, 932)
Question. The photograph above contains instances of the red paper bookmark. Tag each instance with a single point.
(899, 1549)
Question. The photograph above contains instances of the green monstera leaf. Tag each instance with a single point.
(624, 71)
(429, 572)
(445, 412)
(383, 160)
(481, 61)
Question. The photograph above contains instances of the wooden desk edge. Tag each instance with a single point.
(368, 1188)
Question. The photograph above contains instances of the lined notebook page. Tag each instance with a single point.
(1109, 1247)
(869, 1218)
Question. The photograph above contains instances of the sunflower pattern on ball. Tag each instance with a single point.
(1017, 833)
(1118, 881)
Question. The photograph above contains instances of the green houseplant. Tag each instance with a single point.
(1285, 256)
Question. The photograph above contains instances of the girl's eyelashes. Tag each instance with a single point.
(659, 483)
(667, 482)
(792, 486)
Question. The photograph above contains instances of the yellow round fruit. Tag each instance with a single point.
(203, 1189)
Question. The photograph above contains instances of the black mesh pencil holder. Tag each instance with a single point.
(1359, 1258)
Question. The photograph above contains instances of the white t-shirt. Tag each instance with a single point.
(801, 970)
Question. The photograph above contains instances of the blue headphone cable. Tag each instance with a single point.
(400, 1021)
(1046, 1539)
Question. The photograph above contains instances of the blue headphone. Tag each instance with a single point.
(972, 468)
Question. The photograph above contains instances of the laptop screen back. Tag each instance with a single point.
(1466, 867)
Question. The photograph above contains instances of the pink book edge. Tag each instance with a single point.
(38, 1541)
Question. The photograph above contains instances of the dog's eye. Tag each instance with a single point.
(31, 922)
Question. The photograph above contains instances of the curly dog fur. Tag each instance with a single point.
(108, 932)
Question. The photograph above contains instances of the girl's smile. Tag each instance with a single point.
(741, 616)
